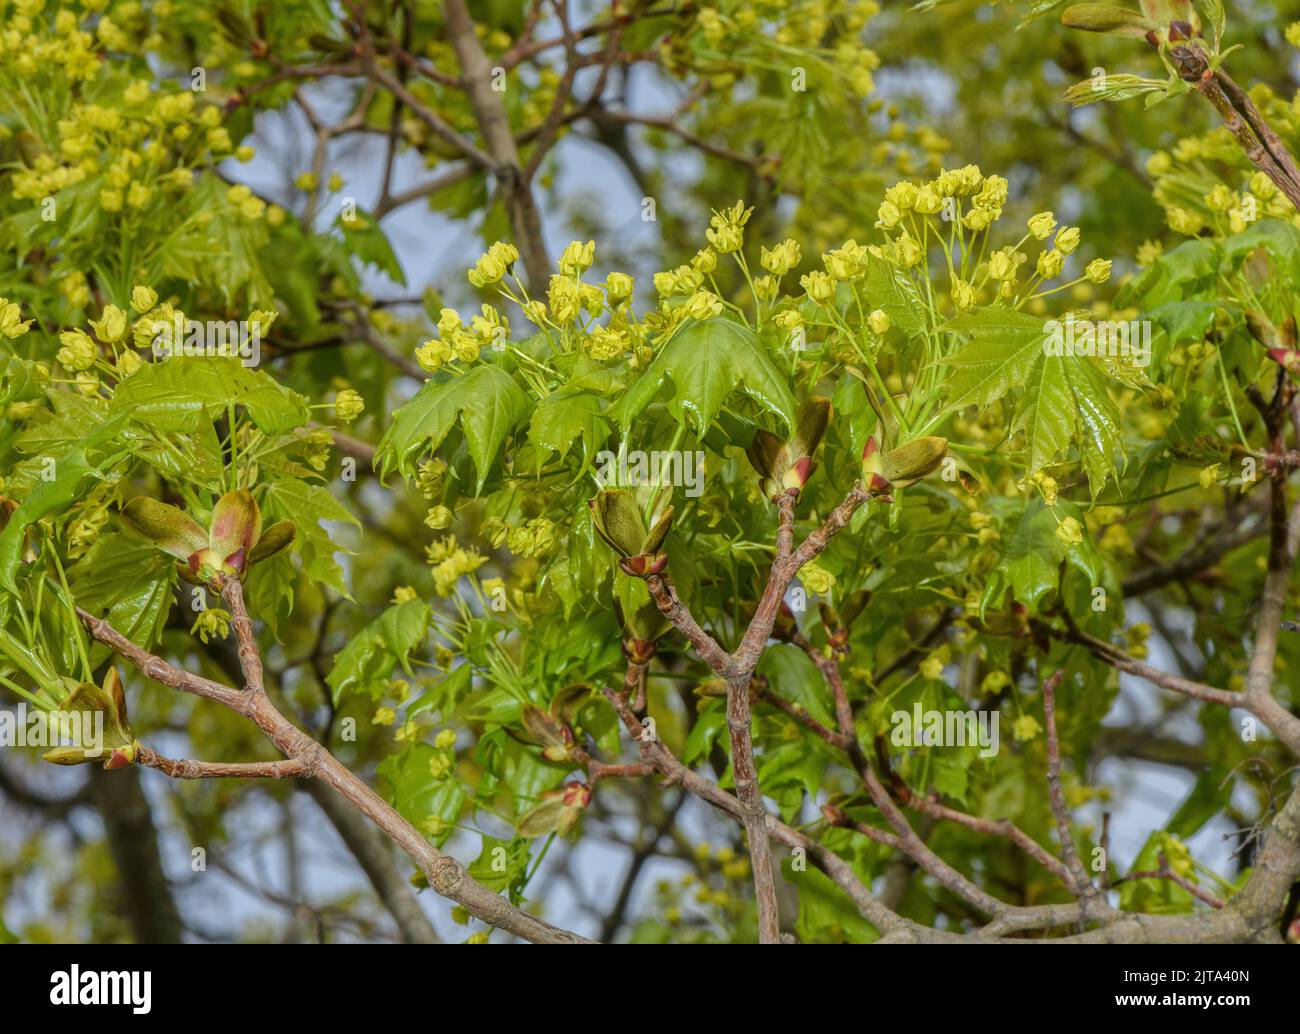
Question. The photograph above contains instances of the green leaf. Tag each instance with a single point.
(1184, 321)
(307, 505)
(1281, 240)
(502, 865)
(567, 418)
(794, 677)
(1108, 19)
(73, 474)
(1110, 87)
(1062, 398)
(420, 795)
(708, 363)
(446, 693)
(369, 660)
(890, 289)
(826, 914)
(487, 402)
(1030, 564)
(1212, 11)
(174, 394)
(19, 379)
(129, 582)
(710, 724)
(1189, 270)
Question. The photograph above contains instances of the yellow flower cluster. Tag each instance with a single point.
(1206, 185)
(12, 324)
(791, 31)
(449, 562)
(455, 340)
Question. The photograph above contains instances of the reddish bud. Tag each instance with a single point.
(1286, 358)
(638, 651)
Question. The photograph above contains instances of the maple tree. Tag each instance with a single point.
(856, 533)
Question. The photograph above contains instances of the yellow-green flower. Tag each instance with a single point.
(818, 286)
(1042, 225)
(348, 405)
(211, 623)
(816, 579)
(1050, 264)
(1070, 531)
(931, 667)
(12, 324)
(606, 343)
(963, 294)
(577, 258)
(703, 305)
(438, 518)
(618, 287)
(1098, 271)
(78, 352)
(782, 258)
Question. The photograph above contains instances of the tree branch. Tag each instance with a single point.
(446, 875)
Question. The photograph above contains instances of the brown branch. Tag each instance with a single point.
(1258, 142)
(179, 769)
(655, 753)
(447, 178)
(671, 606)
(1083, 887)
(446, 875)
(738, 671)
(1165, 872)
(550, 127)
(999, 828)
(494, 124)
(1262, 704)
(1230, 536)
(250, 658)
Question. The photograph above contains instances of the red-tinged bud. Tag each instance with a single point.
(643, 565)
(120, 758)
(638, 651)
(1287, 358)
(873, 466)
(576, 795)
(797, 476)
(869, 453)
(1019, 611)
(839, 639)
(835, 815)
